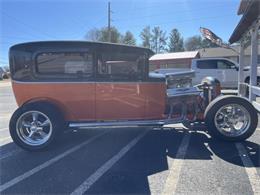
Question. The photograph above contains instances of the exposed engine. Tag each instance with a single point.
(186, 102)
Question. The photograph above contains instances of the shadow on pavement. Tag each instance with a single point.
(130, 174)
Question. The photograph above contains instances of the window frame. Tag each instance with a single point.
(62, 77)
(227, 62)
(144, 74)
(95, 53)
(207, 68)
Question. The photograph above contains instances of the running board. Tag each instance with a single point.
(123, 123)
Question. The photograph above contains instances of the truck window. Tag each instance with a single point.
(64, 64)
(224, 64)
(207, 64)
(120, 67)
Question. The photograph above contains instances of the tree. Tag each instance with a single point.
(103, 35)
(207, 44)
(175, 42)
(146, 37)
(193, 43)
(115, 35)
(129, 39)
(196, 42)
(158, 43)
(93, 35)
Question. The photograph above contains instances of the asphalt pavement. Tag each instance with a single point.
(172, 160)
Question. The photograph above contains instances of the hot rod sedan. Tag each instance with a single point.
(77, 84)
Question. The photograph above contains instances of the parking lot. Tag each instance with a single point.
(128, 160)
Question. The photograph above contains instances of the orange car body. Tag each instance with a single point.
(93, 100)
(97, 101)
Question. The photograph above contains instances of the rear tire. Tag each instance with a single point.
(231, 118)
(36, 126)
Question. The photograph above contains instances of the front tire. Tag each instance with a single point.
(35, 126)
(231, 118)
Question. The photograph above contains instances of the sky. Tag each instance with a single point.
(38, 20)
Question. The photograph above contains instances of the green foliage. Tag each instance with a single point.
(146, 37)
(158, 41)
(93, 35)
(193, 43)
(207, 44)
(196, 42)
(103, 35)
(128, 38)
(175, 41)
(155, 39)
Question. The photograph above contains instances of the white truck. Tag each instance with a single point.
(225, 70)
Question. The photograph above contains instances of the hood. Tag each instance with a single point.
(247, 68)
(180, 74)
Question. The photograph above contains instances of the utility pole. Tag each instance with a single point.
(109, 20)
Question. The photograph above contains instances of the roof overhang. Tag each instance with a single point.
(175, 55)
(242, 6)
(251, 15)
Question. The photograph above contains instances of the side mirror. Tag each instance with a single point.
(235, 67)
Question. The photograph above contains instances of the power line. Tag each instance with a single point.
(188, 20)
(6, 43)
(93, 24)
(174, 5)
(15, 37)
(152, 6)
(25, 24)
(166, 13)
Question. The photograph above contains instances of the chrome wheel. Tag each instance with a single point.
(232, 120)
(34, 128)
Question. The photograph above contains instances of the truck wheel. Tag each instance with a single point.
(231, 118)
(35, 126)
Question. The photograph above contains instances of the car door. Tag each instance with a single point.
(67, 80)
(228, 73)
(120, 91)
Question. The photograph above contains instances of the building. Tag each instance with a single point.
(219, 52)
(246, 34)
(173, 60)
(232, 54)
(183, 59)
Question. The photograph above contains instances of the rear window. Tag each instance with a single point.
(207, 64)
(66, 63)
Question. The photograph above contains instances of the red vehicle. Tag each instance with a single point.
(74, 84)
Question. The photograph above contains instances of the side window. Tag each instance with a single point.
(64, 64)
(20, 65)
(207, 64)
(121, 67)
(224, 64)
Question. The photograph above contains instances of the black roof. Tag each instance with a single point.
(251, 14)
(79, 44)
